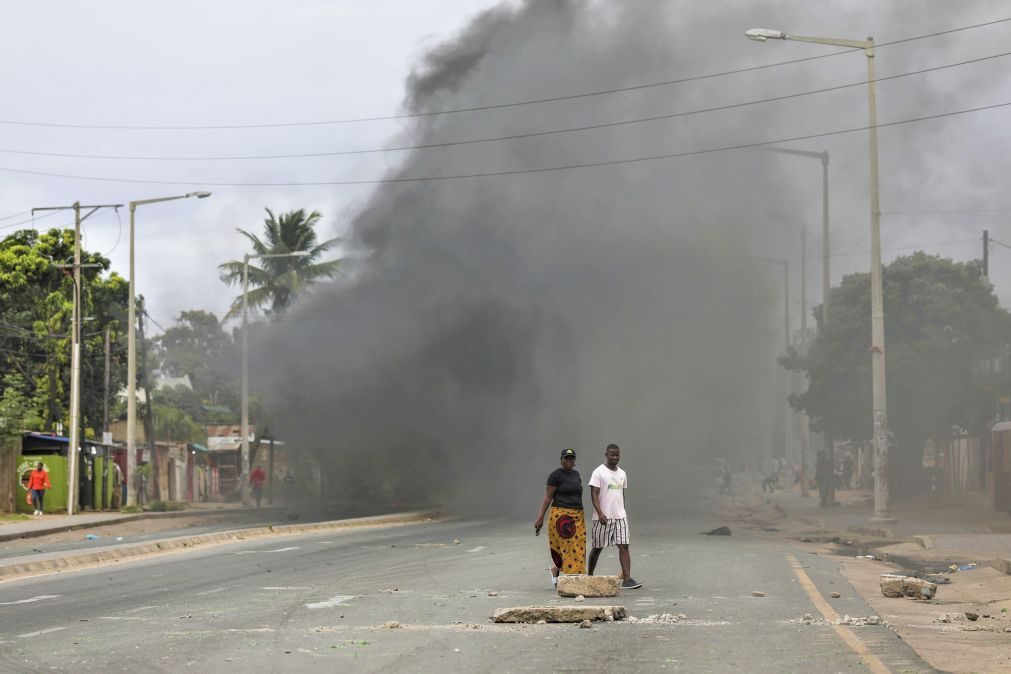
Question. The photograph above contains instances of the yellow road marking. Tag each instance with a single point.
(845, 633)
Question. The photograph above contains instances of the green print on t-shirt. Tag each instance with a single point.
(614, 486)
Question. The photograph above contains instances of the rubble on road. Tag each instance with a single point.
(558, 614)
(586, 624)
(391, 625)
(718, 531)
(859, 621)
(658, 619)
(808, 619)
(575, 585)
(897, 586)
(756, 593)
(835, 595)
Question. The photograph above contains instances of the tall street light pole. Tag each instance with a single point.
(244, 422)
(131, 353)
(877, 349)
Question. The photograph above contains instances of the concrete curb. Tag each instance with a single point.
(77, 560)
(35, 533)
(1002, 565)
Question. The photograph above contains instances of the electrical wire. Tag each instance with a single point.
(512, 172)
(949, 211)
(498, 106)
(32, 220)
(518, 136)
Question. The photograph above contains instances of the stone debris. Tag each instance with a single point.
(585, 625)
(718, 531)
(544, 614)
(658, 619)
(589, 586)
(456, 541)
(493, 594)
(835, 595)
(391, 625)
(896, 586)
(808, 619)
(972, 616)
(756, 593)
(875, 558)
(579, 598)
(859, 621)
(937, 578)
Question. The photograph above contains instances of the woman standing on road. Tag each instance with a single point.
(566, 527)
(38, 483)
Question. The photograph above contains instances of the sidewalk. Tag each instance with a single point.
(51, 524)
(959, 531)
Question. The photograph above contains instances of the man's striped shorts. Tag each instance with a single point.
(615, 532)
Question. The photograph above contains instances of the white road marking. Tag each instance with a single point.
(247, 552)
(477, 549)
(339, 600)
(285, 549)
(35, 634)
(206, 592)
(41, 597)
(139, 608)
(286, 587)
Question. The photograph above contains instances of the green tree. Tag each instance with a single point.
(276, 282)
(197, 346)
(36, 304)
(938, 313)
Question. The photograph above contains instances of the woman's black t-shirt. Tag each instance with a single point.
(568, 488)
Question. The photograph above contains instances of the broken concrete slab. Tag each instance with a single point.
(588, 586)
(558, 614)
(896, 586)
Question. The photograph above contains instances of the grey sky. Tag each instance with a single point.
(187, 62)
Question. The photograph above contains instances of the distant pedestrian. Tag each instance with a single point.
(728, 485)
(256, 480)
(38, 483)
(823, 477)
(610, 522)
(847, 471)
(566, 525)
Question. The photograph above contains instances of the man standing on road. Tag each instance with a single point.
(256, 480)
(610, 523)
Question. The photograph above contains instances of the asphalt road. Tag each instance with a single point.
(319, 602)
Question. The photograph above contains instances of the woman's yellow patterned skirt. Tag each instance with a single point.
(567, 538)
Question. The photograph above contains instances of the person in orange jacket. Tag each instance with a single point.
(38, 483)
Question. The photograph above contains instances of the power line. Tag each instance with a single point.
(491, 174)
(948, 211)
(518, 136)
(496, 106)
(16, 215)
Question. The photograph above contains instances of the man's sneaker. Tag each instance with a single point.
(630, 584)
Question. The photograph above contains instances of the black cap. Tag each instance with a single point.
(568, 453)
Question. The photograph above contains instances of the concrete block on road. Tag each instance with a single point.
(1003, 565)
(896, 586)
(558, 614)
(588, 586)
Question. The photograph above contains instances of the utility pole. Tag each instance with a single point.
(148, 406)
(804, 425)
(107, 383)
(75, 350)
(788, 420)
(986, 253)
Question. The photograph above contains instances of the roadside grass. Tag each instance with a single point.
(13, 517)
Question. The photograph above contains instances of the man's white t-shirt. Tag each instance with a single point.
(612, 484)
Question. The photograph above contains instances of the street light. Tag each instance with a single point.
(244, 424)
(131, 352)
(877, 349)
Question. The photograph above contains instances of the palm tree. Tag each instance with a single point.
(276, 282)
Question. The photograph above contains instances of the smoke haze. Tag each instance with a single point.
(487, 323)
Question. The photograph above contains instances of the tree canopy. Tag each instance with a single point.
(275, 282)
(36, 305)
(938, 313)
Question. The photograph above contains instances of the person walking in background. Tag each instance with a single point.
(566, 525)
(823, 477)
(610, 522)
(256, 480)
(38, 483)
